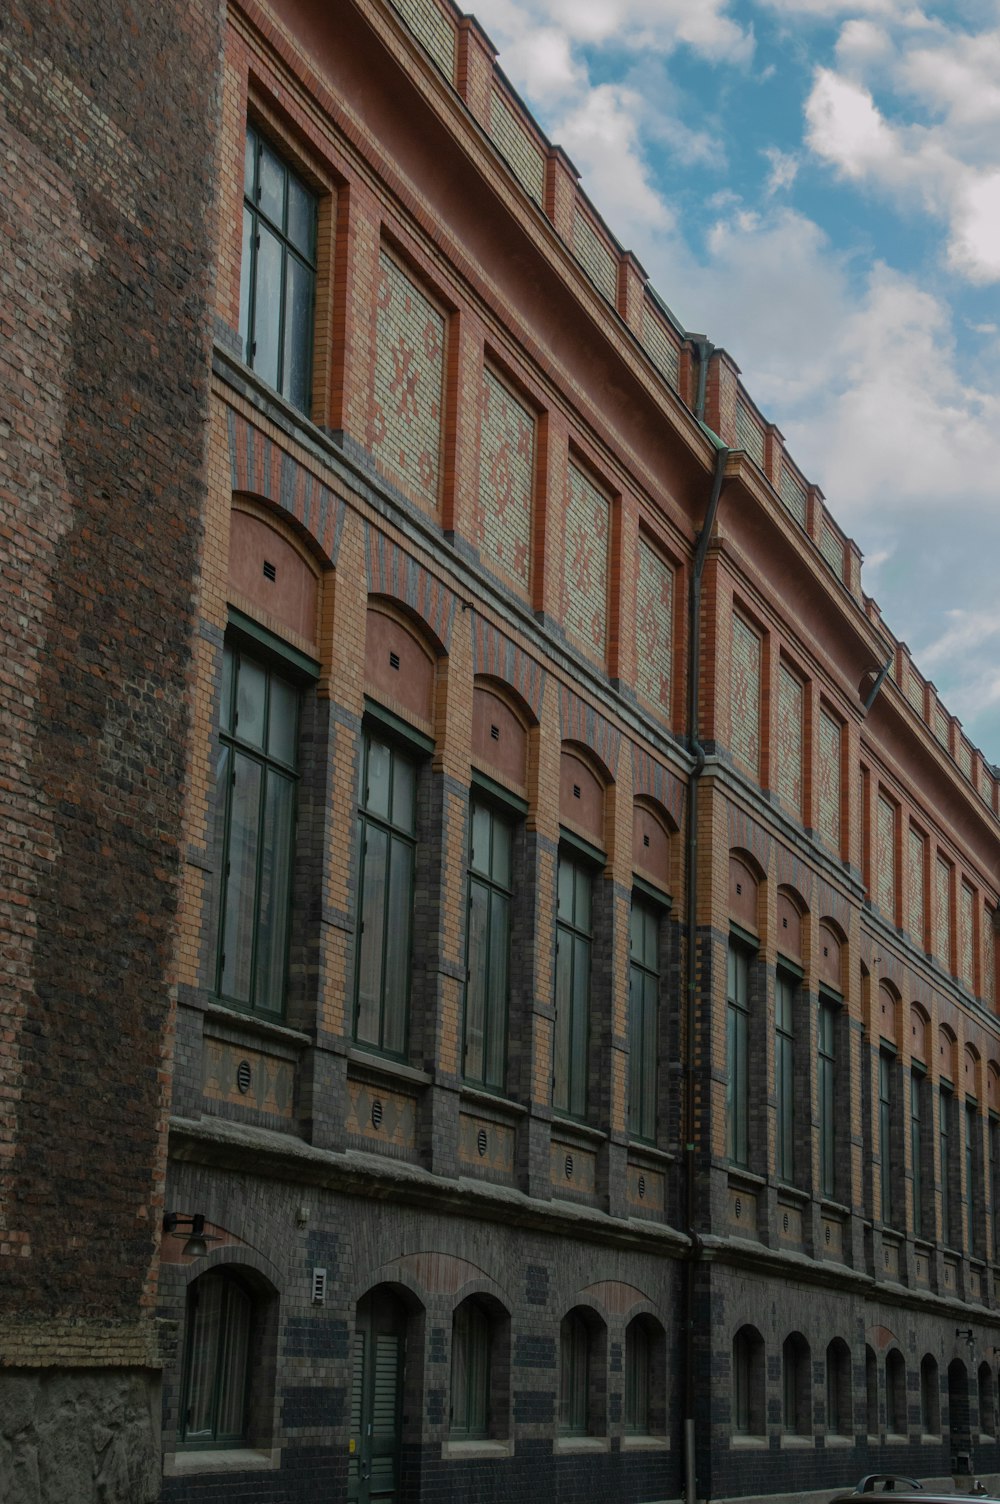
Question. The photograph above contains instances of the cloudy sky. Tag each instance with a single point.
(815, 184)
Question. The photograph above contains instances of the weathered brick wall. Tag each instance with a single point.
(107, 120)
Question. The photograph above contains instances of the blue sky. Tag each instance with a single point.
(815, 185)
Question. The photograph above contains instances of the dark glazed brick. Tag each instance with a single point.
(534, 1352)
(536, 1285)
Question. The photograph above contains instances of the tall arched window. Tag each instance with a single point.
(796, 1379)
(645, 1399)
(839, 1420)
(895, 1393)
(930, 1411)
(581, 1374)
(217, 1353)
(748, 1382)
(471, 1341)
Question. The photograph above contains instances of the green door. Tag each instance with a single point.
(376, 1400)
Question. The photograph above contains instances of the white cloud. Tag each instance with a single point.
(638, 25)
(601, 136)
(784, 170)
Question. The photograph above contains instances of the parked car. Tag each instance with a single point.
(911, 1491)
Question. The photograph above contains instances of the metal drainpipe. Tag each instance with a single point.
(694, 685)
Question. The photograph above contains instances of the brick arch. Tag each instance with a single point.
(394, 574)
(496, 657)
(500, 725)
(400, 660)
(583, 784)
(258, 467)
(919, 1022)
(947, 1052)
(746, 878)
(652, 841)
(791, 908)
(273, 567)
(652, 779)
(888, 1005)
(616, 1298)
(830, 954)
(581, 723)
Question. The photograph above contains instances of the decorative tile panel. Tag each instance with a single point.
(831, 546)
(915, 691)
(429, 25)
(506, 475)
(486, 1147)
(942, 921)
(793, 494)
(885, 856)
(742, 1212)
(517, 147)
(247, 1078)
(790, 1226)
(985, 783)
(965, 757)
(966, 933)
(940, 725)
(831, 1238)
(644, 1190)
(922, 1270)
(660, 348)
(744, 695)
(789, 745)
(655, 628)
(749, 432)
(916, 914)
(409, 377)
(379, 1118)
(828, 777)
(585, 564)
(989, 958)
(595, 257)
(572, 1168)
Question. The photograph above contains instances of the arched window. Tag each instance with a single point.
(748, 1382)
(987, 1401)
(930, 1412)
(217, 1360)
(581, 1374)
(645, 1399)
(839, 1421)
(895, 1393)
(471, 1341)
(871, 1391)
(796, 1380)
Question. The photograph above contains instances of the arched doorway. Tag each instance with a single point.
(373, 1470)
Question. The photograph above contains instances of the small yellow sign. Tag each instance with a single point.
(354, 1446)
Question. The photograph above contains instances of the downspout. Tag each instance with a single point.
(704, 539)
(879, 681)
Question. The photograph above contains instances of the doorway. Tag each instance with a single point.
(373, 1470)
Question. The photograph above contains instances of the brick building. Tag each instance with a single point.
(582, 1028)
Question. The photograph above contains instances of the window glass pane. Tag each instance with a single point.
(226, 700)
(267, 306)
(249, 162)
(283, 716)
(241, 881)
(376, 799)
(275, 882)
(233, 1364)
(246, 280)
(566, 877)
(397, 950)
(204, 1321)
(648, 1058)
(475, 996)
(480, 854)
(296, 368)
(500, 864)
(564, 995)
(404, 785)
(250, 702)
(580, 1025)
(272, 186)
(497, 1016)
(581, 916)
(301, 217)
(373, 896)
(220, 796)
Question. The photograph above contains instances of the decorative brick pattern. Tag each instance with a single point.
(381, 1119)
(788, 750)
(966, 934)
(585, 564)
(486, 1146)
(269, 1081)
(652, 779)
(660, 347)
(645, 1190)
(392, 572)
(655, 628)
(261, 467)
(506, 473)
(749, 432)
(793, 494)
(572, 1169)
(517, 147)
(429, 25)
(744, 696)
(885, 856)
(409, 376)
(988, 953)
(916, 913)
(580, 722)
(492, 653)
(942, 922)
(595, 257)
(828, 781)
(831, 546)
(745, 834)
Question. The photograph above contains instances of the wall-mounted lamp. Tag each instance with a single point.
(197, 1239)
(966, 1332)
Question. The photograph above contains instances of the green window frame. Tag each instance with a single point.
(838, 1389)
(638, 1376)
(784, 1075)
(644, 1012)
(826, 1068)
(471, 1342)
(253, 816)
(945, 1108)
(738, 1055)
(917, 1149)
(387, 811)
(574, 1376)
(574, 945)
(886, 1069)
(488, 937)
(748, 1383)
(216, 1372)
(278, 272)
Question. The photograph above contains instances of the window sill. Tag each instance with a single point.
(645, 1444)
(897, 1439)
(752, 1443)
(930, 1439)
(220, 1013)
(385, 1066)
(476, 1448)
(837, 1440)
(572, 1127)
(796, 1440)
(230, 1460)
(564, 1444)
(493, 1101)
